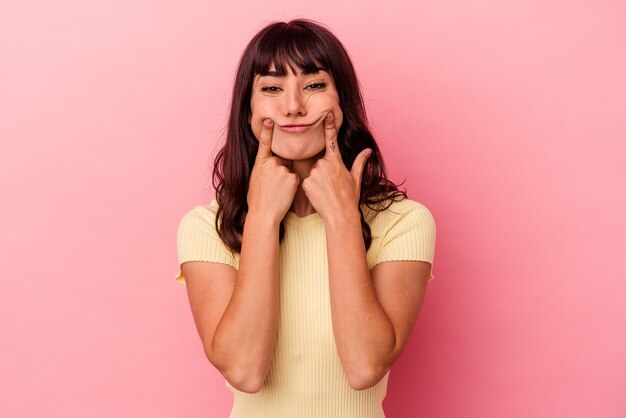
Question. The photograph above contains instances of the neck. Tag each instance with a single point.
(301, 205)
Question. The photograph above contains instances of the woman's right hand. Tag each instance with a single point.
(272, 184)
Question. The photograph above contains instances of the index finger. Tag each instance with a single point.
(330, 134)
(265, 140)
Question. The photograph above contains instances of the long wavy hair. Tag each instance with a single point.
(302, 42)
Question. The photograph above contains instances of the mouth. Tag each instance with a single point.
(299, 127)
(295, 127)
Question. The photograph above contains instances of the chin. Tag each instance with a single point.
(298, 156)
(298, 148)
(292, 153)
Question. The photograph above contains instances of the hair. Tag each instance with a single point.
(302, 42)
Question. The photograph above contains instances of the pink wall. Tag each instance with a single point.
(507, 119)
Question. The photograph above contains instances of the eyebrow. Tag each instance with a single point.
(304, 72)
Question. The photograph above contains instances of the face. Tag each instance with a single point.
(295, 99)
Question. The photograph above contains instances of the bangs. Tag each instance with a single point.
(290, 45)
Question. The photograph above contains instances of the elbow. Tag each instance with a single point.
(365, 378)
(244, 379)
(244, 382)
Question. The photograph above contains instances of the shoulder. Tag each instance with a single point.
(394, 211)
(404, 205)
(200, 219)
(201, 213)
(198, 239)
(404, 231)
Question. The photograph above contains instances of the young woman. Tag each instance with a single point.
(307, 272)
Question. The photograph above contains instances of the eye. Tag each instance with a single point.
(269, 89)
(317, 86)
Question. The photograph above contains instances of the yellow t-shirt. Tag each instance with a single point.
(306, 379)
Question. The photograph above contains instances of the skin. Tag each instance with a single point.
(296, 98)
(373, 313)
(236, 311)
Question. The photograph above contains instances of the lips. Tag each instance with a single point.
(299, 127)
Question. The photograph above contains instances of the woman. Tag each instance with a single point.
(305, 278)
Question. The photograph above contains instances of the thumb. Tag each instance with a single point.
(359, 164)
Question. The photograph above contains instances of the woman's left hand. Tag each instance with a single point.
(330, 187)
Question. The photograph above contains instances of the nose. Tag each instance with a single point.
(294, 104)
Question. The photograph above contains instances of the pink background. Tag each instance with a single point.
(507, 118)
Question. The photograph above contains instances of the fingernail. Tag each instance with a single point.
(329, 117)
(368, 153)
(267, 122)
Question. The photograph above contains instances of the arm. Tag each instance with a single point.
(236, 312)
(372, 315)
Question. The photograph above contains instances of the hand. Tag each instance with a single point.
(272, 184)
(330, 187)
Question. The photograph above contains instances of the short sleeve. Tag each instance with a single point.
(410, 236)
(197, 240)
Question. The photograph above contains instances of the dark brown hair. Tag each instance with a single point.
(303, 42)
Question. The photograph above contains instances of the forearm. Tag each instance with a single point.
(363, 332)
(245, 336)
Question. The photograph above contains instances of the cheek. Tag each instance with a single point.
(338, 117)
(259, 112)
(328, 103)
